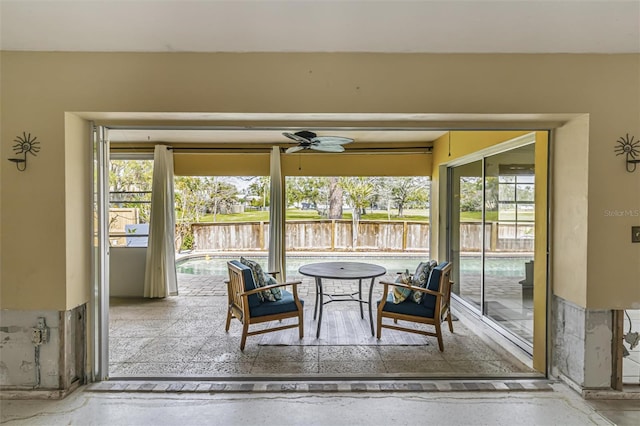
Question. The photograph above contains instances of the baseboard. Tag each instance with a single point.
(38, 394)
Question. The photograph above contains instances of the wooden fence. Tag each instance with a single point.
(337, 235)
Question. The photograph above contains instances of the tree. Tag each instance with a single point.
(335, 197)
(405, 190)
(190, 197)
(470, 194)
(221, 193)
(128, 182)
(194, 196)
(259, 188)
(303, 189)
(358, 191)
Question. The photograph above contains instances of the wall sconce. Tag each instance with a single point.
(630, 149)
(23, 145)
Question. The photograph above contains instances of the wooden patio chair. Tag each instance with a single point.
(245, 305)
(433, 309)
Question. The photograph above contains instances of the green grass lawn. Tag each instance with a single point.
(477, 216)
(297, 214)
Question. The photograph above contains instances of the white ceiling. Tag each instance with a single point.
(472, 26)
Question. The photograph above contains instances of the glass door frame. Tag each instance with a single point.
(100, 254)
(480, 156)
(450, 245)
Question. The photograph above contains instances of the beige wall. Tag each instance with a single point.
(570, 204)
(314, 164)
(33, 264)
(38, 88)
(78, 209)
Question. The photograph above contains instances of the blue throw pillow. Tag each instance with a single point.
(400, 294)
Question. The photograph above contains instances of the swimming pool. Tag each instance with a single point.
(216, 264)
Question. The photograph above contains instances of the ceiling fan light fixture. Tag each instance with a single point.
(310, 140)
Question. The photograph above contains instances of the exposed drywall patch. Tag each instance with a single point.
(568, 341)
(582, 344)
(598, 354)
(26, 364)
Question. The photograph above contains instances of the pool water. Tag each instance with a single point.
(209, 264)
(217, 265)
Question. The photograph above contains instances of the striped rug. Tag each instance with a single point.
(341, 328)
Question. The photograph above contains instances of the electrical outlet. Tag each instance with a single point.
(635, 234)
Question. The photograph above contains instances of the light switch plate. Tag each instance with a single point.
(635, 234)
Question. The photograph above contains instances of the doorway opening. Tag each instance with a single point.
(212, 362)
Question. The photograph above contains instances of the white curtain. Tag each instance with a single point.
(276, 217)
(160, 273)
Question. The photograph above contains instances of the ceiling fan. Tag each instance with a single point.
(309, 140)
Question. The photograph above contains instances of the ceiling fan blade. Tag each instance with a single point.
(295, 137)
(332, 140)
(327, 148)
(294, 149)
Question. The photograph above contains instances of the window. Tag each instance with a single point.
(129, 202)
(516, 203)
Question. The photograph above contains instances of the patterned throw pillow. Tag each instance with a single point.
(421, 277)
(270, 280)
(261, 279)
(400, 294)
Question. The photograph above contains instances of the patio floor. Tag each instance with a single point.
(184, 336)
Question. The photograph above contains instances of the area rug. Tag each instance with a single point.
(341, 328)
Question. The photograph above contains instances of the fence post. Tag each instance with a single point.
(261, 236)
(333, 234)
(405, 231)
(494, 236)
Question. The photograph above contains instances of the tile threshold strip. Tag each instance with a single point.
(321, 386)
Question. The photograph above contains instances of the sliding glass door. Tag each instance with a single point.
(491, 238)
(466, 231)
(509, 185)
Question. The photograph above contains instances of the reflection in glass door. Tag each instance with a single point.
(466, 231)
(491, 238)
(509, 226)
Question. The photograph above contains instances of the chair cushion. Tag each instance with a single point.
(399, 294)
(433, 284)
(247, 275)
(407, 307)
(421, 277)
(285, 304)
(262, 279)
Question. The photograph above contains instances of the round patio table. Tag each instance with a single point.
(342, 271)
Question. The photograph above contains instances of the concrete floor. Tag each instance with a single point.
(309, 399)
(184, 336)
(558, 406)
